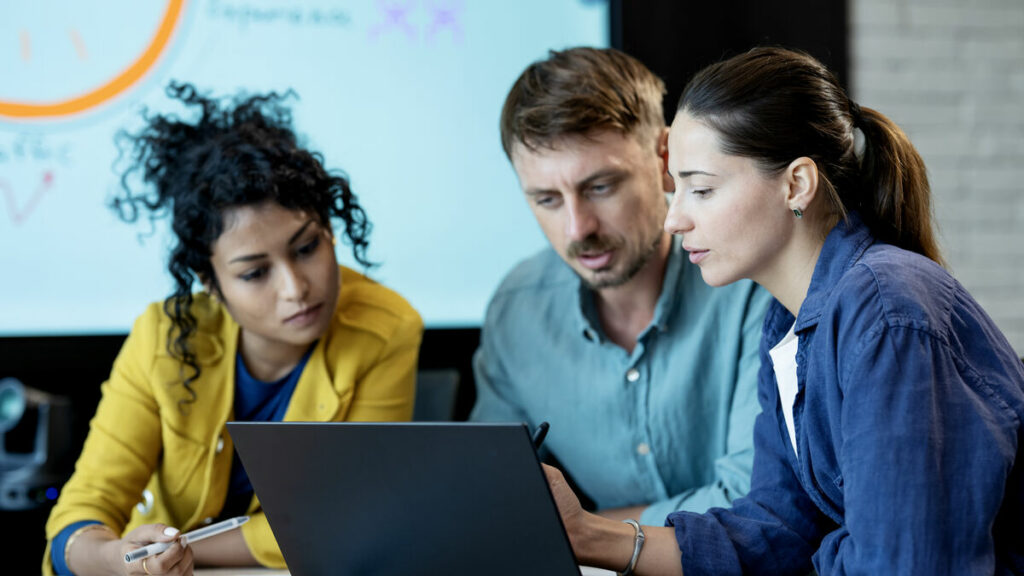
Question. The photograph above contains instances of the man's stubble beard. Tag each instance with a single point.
(634, 268)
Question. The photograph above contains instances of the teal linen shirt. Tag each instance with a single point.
(669, 425)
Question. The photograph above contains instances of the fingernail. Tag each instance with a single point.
(170, 531)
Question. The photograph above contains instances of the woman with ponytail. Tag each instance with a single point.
(279, 331)
(891, 403)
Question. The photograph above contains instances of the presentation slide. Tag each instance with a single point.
(403, 96)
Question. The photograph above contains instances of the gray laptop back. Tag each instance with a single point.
(405, 498)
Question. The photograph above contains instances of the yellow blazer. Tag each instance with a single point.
(141, 439)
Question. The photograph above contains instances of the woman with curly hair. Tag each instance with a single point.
(280, 332)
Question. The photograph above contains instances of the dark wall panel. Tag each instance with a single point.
(675, 39)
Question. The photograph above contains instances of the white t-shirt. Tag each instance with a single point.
(784, 363)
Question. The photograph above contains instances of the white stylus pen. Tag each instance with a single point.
(187, 538)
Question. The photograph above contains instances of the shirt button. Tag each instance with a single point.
(633, 375)
(643, 449)
(220, 444)
(323, 407)
(146, 506)
(207, 520)
(589, 335)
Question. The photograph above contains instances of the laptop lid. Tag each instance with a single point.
(405, 498)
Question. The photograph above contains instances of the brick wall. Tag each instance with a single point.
(951, 74)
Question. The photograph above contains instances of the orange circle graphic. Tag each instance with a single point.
(117, 85)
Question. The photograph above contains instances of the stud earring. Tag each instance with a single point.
(798, 213)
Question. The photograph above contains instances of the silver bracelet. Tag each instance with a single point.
(638, 544)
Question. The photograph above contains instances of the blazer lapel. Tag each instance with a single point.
(314, 398)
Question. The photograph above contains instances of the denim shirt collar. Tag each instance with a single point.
(844, 246)
(586, 302)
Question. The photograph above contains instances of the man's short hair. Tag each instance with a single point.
(578, 90)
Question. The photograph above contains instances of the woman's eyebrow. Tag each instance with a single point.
(292, 240)
(688, 173)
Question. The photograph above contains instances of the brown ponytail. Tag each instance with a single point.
(896, 184)
(776, 105)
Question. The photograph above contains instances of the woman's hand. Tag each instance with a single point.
(176, 560)
(568, 503)
(608, 543)
(100, 551)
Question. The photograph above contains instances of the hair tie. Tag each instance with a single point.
(859, 139)
(859, 144)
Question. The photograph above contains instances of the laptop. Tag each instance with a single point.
(405, 498)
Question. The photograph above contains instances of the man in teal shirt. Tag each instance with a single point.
(647, 375)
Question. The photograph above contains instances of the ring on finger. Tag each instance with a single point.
(144, 569)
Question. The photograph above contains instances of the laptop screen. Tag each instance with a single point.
(405, 498)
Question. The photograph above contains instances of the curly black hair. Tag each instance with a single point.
(239, 152)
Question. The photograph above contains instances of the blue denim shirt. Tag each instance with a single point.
(908, 425)
(669, 425)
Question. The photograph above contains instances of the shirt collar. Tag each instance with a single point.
(843, 247)
(669, 285)
(586, 313)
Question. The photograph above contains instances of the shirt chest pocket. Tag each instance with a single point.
(182, 459)
(833, 492)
